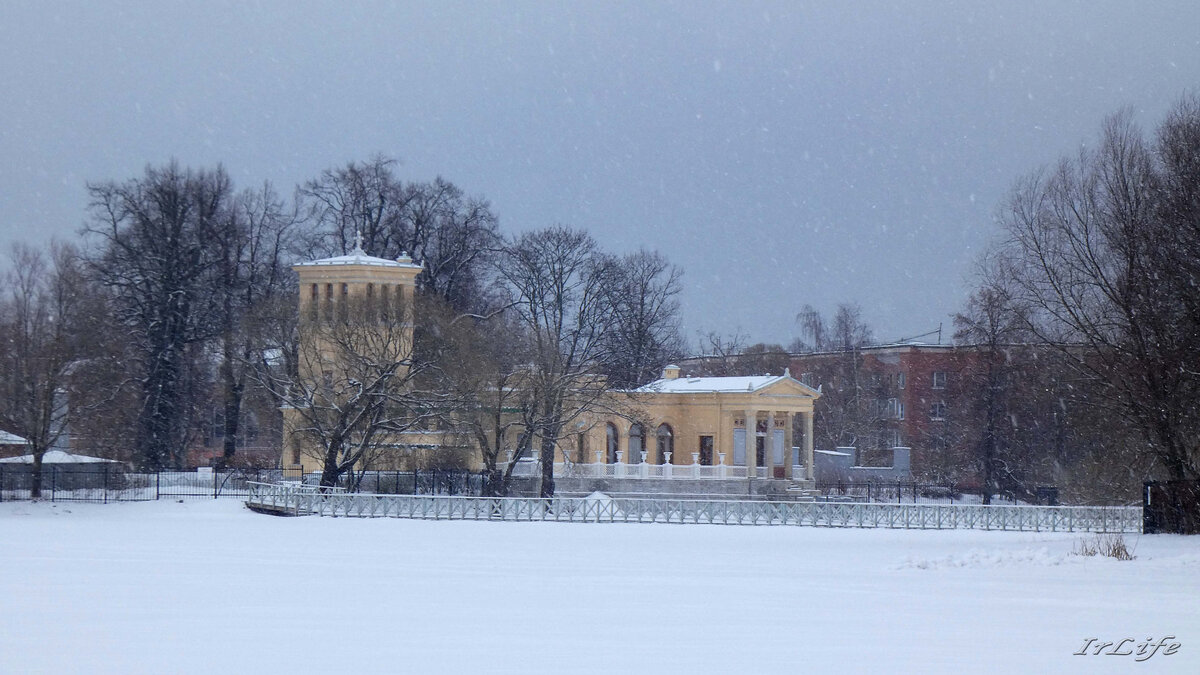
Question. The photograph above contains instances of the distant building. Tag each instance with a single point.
(12, 445)
(883, 397)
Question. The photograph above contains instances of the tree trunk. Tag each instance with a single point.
(35, 489)
(233, 403)
(546, 489)
(329, 470)
(495, 483)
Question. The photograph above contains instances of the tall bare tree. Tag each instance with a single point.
(848, 413)
(489, 382)
(558, 280)
(251, 276)
(993, 324)
(454, 236)
(1102, 250)
(153, 250)
(644, 335)
(45, 329)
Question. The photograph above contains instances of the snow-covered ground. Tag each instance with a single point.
(207, 586)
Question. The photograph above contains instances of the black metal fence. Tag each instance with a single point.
(113, 483)
(1171, 507)
(431, 482)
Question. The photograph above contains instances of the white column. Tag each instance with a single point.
(751, 444)
(808, 443)
(789, 454)
(769, 444)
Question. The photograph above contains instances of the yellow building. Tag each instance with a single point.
(675, 427)
(703, 421)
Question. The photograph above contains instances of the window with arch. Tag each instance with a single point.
(636, 444)
(666, 442)
(612, 442)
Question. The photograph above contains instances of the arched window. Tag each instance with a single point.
(613, 442)
(666, 443)
(636, 435)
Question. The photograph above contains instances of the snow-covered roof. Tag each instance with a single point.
(59, 457)
(11, 439)
(359, 257)
(694, 385)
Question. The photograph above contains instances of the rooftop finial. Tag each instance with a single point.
(358, 241)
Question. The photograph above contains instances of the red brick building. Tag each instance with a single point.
(886, 396)
(879, 397)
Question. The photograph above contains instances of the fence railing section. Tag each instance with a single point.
(115, 484)
(283, 498)
(645, 470)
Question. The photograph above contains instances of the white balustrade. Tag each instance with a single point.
(306, 500)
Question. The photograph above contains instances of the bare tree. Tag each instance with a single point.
(644, 336)
(993, 324)
(43, 323)
(847, 332)
(720, 353)
(454, 236)
(849, 411)
(763, 358)
(489, 383)
(1102, 250)
(353, 387)
(251, 273)
(558, 280)
(153, 251)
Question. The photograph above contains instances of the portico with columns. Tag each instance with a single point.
(752, 428)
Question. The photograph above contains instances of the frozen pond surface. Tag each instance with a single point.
(207, 586)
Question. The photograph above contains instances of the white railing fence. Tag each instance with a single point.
(298, 500)
(645, 470)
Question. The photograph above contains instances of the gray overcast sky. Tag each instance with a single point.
(781, 153)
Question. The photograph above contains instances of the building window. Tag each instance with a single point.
(295, 450)
(938, 411)
(612, 441)
(900, 380)
(706, 450)
(939, 379)
(666, 443)
(807, 378)
(900, 410)
(895, 438)
(635, 443)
